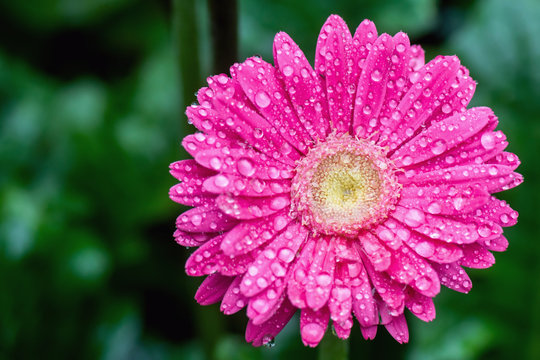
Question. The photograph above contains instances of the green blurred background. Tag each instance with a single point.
(92, 94)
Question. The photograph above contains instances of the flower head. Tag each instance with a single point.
(353, 189)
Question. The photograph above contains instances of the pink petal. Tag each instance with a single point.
(430, 249)
(408, 268)
(245, 162)
(417, 57)
(210, 121)
(453, 277)
(207, 218)
(369, 332)
(506, 159)
(273, 263)
(418, 103)
(192, 239)
(186, 170)
(458, 97)
(390, 291)
(321, 273)
(191, 193)
(249, 235)
(233, 300)
(364, 305)
(346, 249)
(370, 95)
(397, 327)
(443, 199)
(497, 244)
(213, 289)
(261, 334)
(340, 303)
(437, 139)
(261, 85)
(264, 305)
(375, 251)
(241, 186)
(241, 115)
(303, 86)
(476, 256)
(313, 325)
(205, 260)
(343, 329)
(498, 211)
(331, 64)
(388, 236)
(195, 143)
(397, 81)
(420, 305)
(209, 259)
(296, 289)
(451, 230)
(247, 208)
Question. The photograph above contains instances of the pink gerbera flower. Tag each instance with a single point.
(352, 189)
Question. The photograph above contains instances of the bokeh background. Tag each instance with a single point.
(92, 94)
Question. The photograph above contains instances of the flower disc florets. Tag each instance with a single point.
(344, 185)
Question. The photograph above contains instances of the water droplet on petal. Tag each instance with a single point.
(488, 141)
(288, 70)
(376, 76)
(414, 218)
(245, 167)
(262, 99)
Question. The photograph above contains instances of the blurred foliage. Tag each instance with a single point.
(90, 118)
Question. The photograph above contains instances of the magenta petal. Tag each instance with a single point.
(198, 142)
(303, 86)
(408, 268)
(417, 57)
(331, 63)
(273, 263)
(379, 256)
(210, 121)
(296, 288)
(204, 219)
(262, 334)
(186, 170)
(441, 136)
(321, 273)
(364, 305)
(205, 260)
(397, 327)
(213, 289)
(497, 244)
(453, 276)
(192, 239)
(263, 306)
(390, 291)
(249, 235)
(247, 208)
(444, 200)
(417, 105)
(340, 303)
(476, 256)
(420, 305)
(229, 99)
(241, 186)
(191, 193)
(261, 85)
(343, 328)
(313, 325)
(397, 82)
(233, 300)
(369, 332)
(244, 162)
(370, 95)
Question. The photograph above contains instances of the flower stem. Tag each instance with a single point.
(224, 32)
(333, 348)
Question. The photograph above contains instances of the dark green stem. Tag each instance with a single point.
(333, 348)
(224, 32)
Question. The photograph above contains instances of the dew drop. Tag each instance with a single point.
(262, 99)
(245, 167)
(288, 70)
(376, 76)
(414, 218)
(488, 141)
(221, 181)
